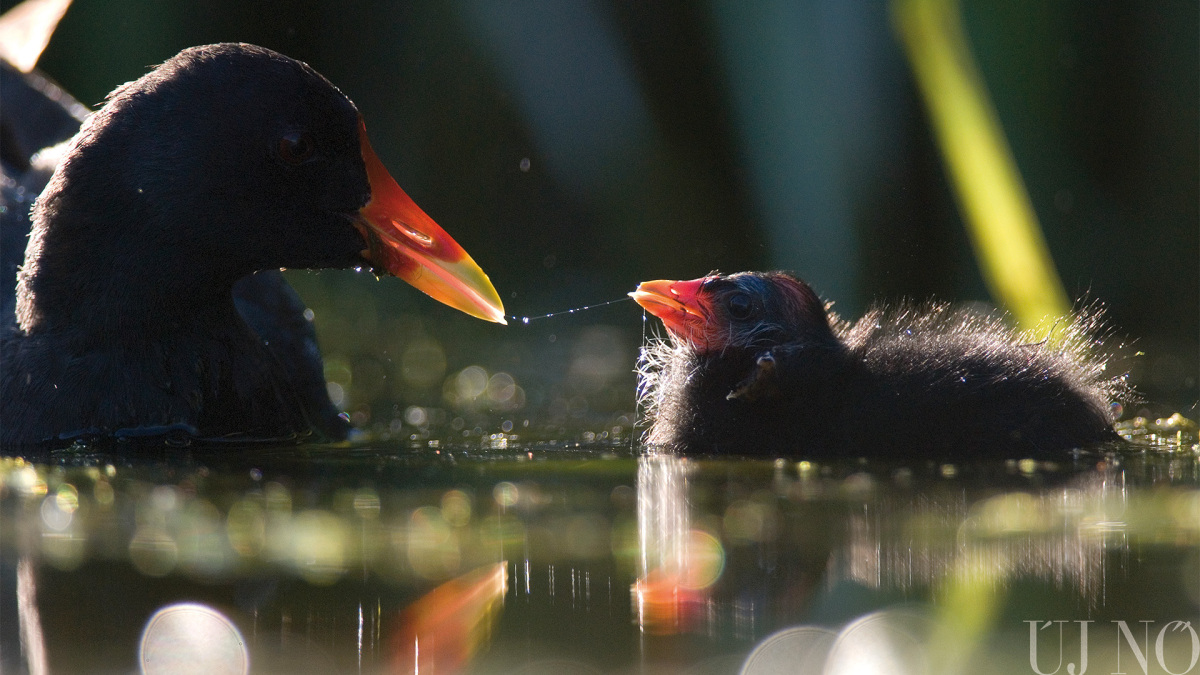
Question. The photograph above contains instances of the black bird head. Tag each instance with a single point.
(748, 311)
(225, 160)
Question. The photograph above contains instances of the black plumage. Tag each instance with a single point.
(150, 300)
(39, 119)
(756, 365)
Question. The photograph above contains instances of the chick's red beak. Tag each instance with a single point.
(681, 305)
(405, 242)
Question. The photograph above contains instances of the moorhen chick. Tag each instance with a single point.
(224, 161)
(756, 365)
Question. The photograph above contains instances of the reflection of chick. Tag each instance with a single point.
(756, 366)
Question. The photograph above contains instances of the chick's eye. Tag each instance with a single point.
(296, 148)
(740, 306)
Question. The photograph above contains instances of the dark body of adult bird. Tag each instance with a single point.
(224, 161)
(756, 365)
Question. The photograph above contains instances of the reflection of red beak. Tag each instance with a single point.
(681, 305)
(442, 631)
(406, 243)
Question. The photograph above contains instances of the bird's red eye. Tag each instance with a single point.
(296, 148)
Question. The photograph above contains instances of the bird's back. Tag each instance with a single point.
(945, 378)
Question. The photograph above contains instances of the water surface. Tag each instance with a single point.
(506, 556)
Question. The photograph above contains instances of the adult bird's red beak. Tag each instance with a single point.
(405, 242)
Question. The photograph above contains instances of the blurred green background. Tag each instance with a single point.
(576, 148)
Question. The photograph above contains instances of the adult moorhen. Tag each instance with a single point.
(226, 160)
(755, 365)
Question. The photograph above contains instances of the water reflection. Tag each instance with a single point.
(917, 532)
(1060, 536)
(891, 537)
(443, 630)
(29, 623)
(342, 561)
(678, 563)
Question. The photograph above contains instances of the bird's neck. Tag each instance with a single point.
(62, 288)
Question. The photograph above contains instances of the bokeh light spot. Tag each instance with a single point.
(191, 638)
(705, 560)
(366, 503)
(433, 550)
(337, 394)
(54, 516)
(319, 546)
(501, 388)
(416, 416)
(889, 642)
(203, 539)
(423, 363)
(67, 498)
(801, 649)
(103, 493)
(246, 527)
(505, 494)
(164, 498)
(471, 382)
(456, 508)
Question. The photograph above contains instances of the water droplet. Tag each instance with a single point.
(524, 319)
